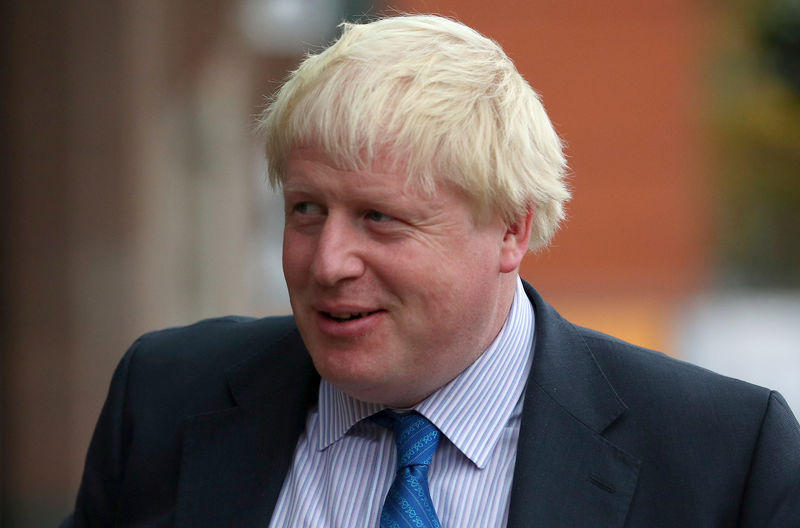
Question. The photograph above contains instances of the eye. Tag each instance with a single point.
(377, 216)
(306, 208)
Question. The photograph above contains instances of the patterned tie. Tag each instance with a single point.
(408, 503)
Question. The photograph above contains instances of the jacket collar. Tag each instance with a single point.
(566, 472)
(234, 461)
(565, 369)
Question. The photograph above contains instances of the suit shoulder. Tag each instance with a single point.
(183, 370)
(206, 348)
(638, 373)
(227, 326)
(220, 333)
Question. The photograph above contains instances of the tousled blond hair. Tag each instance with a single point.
(445, 101)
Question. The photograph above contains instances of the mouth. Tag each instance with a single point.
(343, 317)
(346, 324)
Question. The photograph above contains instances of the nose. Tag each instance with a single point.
(338, 251)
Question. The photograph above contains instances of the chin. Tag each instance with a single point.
(348, 371)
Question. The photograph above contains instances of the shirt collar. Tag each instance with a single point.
(338, 412)
(472, 409)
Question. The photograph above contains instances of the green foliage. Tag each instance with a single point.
(757, 125)
(778, 28)
(359, 10)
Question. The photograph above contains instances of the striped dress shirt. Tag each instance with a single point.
(344, 465)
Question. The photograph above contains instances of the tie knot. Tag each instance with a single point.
(416, 437)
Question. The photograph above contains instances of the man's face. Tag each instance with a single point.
(395, 292)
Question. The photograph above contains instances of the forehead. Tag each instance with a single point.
(385, 175)
(310, 167)
(380, 165)
(312, 176)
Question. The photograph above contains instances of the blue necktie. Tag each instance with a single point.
(408, 503)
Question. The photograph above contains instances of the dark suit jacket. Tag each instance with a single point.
(201, 423)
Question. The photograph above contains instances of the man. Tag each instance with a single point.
(420, 381)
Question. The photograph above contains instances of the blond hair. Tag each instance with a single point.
(445, 101)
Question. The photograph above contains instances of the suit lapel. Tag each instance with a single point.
(566, 473)
(234, 461)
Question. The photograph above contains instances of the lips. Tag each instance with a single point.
(346, 316)
(348, 322)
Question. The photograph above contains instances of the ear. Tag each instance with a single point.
(515, 242)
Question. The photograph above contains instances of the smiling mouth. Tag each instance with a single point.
(343, 317)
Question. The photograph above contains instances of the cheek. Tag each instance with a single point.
(431, 292)
(460, 287)
(432, 279)
(420, 263)
(298, 253)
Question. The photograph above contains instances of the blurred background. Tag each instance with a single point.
(134, 194)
